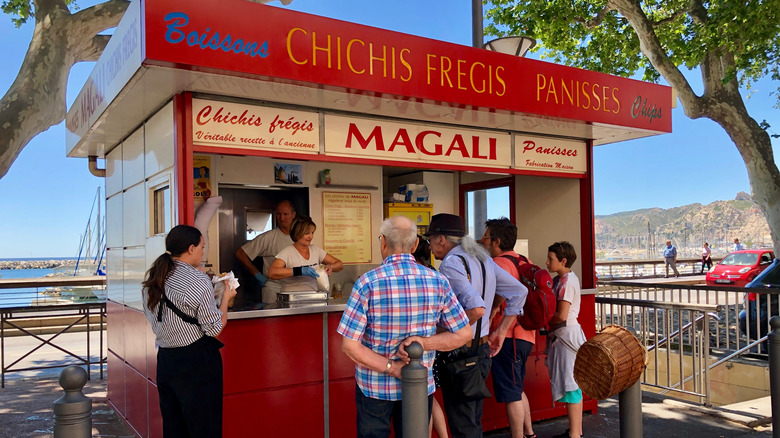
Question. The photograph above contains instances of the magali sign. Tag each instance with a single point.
(244, 38)
(547, 154)
(409, 142)
(226, 124)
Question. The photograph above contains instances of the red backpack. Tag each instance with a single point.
(540, 305)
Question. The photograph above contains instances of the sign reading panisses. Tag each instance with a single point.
(405, 142)
(237, 125)
(549, 154)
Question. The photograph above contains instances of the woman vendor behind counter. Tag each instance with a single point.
(296, 265)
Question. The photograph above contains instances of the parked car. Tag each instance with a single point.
(740, 267)
(760, 307)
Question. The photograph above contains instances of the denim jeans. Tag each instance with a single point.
(374, 416)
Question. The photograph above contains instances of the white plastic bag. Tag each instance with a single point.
(323, 283)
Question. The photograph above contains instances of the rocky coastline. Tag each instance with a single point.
(35, 264)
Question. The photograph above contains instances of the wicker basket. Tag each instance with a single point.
(609, 362)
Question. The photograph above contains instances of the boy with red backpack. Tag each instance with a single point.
(509, 364)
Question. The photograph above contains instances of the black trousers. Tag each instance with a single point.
(464, 417)
(189, 382)
(706, 262)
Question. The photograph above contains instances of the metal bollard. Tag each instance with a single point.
(73, 411)
(774, 373)
(414, 394)
(630, 408)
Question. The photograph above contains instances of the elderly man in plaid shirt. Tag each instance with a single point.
(390, 307)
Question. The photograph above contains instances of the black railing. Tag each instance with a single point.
(77, 317)
(624, 269)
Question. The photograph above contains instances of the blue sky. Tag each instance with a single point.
(47, 197)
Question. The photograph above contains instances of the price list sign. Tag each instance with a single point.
(346, 226)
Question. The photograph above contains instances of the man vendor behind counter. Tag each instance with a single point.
(267, 246)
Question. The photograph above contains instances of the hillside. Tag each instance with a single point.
(643, 233)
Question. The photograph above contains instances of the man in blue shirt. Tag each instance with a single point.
(738, 246)
(449, 243)
(670, 258)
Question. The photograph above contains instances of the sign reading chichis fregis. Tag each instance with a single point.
(244, 38)
(226, 124)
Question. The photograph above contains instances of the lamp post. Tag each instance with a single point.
(511, 45)
(477, 34)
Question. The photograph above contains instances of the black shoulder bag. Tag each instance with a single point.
(471, 369)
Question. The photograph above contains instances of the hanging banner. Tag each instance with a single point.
(548, 154)
(346, 228)
(405, 142)
(237, 125)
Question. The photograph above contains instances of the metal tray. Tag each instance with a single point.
(290, 297)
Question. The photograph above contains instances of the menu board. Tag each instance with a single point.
(346, 226)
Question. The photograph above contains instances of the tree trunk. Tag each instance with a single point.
(36, 99)
(721, 103)
(755, 147)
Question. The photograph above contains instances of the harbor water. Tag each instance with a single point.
(21, 296)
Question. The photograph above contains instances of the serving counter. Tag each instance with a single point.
(285, 366)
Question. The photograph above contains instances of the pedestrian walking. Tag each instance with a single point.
(670, 259)
(706, 257)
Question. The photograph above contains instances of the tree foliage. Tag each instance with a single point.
(731, 42)
(595, 35)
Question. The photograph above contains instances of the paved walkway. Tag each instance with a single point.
(26, 411)
(26, 408)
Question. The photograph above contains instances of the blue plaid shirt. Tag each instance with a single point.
(390, 303)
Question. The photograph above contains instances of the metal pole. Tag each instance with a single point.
(414, 394)
(774, 373)
(73, 411)
(630, 408)
(477, 35)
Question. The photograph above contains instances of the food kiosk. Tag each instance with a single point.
(241, 105)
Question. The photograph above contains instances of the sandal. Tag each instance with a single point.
(533, 435)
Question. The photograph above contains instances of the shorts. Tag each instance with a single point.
(509, 370)
(572, 397)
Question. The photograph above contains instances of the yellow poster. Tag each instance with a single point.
(347, 226)
(202, 177)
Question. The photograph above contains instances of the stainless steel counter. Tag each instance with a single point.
(332, 305)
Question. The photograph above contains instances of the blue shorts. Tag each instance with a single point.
(572, 397)
(509, 370)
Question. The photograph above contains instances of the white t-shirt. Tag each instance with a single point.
(293, 259)
(568, 289)
(268, 246)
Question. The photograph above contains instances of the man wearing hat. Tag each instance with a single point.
(462, 264)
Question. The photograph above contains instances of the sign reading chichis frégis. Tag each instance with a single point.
(237, 125)
(547, 154)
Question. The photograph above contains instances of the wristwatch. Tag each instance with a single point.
(388, 366)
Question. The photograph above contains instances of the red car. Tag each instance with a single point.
(740, 267)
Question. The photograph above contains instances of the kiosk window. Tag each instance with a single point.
(257, 223)
(485, 200)
(161, 209)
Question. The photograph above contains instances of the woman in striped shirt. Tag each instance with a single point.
(180, 306)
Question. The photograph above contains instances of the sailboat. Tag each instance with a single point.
(90, 261)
